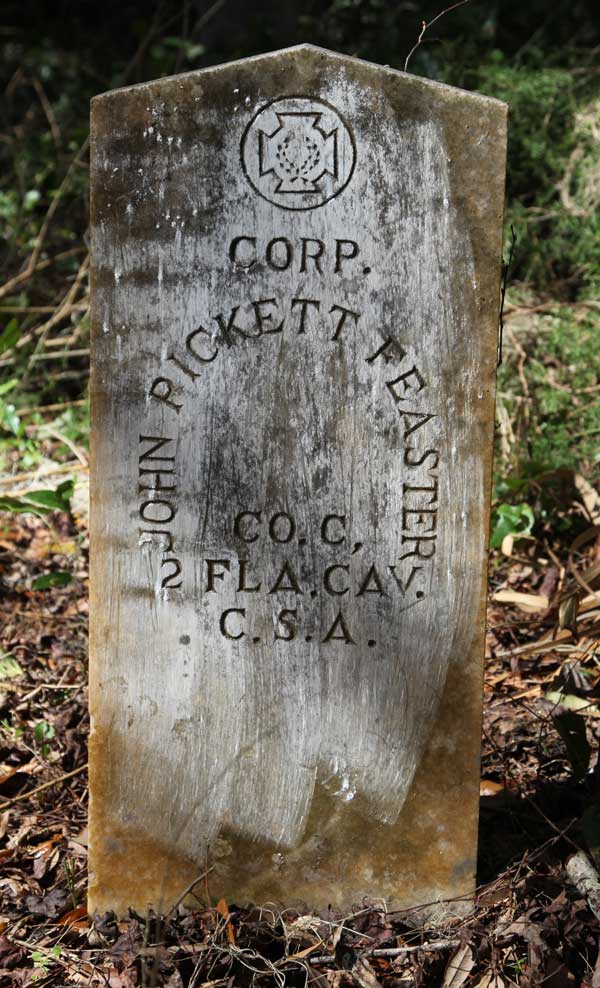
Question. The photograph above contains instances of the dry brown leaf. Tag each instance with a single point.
(531, 603)
(73, 918)
(364, 974)
(7, 772)
(487, 787)
(589, 496)
(30, 768)
(459, 967)
(490, 980)
(301, 953)
(223, 910)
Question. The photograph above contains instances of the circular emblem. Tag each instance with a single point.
(298, 152)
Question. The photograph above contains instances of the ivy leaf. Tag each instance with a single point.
(511, 519)
(43, 731)
(42, 501)
(58, 579)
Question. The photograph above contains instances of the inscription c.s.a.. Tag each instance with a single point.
(298, 152)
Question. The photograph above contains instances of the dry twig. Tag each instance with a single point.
(426, 25)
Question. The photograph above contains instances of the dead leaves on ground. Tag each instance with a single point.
(530, 926)
(533, 927)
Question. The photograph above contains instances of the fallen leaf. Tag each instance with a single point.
(223, 910)
(490, 980)
(567, 612)
(459, 967)
(73, 916)
(364, 974)
(571, 702)
(487, 787)
(50, 905)
(7, 772)
(302, 953)
(531, 603)
(589, 496)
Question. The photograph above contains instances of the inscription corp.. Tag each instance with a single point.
(298, 152)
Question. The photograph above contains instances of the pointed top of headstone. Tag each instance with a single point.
(305, 50)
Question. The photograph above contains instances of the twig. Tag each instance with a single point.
(60, 312)
(40, 310)
(506, 266)
(38, 266)
(55, 355)
(47, 686)
(39, 240)
(208, 15)
(57, 406)
(37, 475)
(187, 891)
(46, 785)
(392, 951)
(521, 364)
(428, 24)
(76, 450)
(47, 108)
(516, 310)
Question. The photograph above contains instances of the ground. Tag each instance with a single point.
(533, 919)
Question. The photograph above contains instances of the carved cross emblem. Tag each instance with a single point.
(298, 152)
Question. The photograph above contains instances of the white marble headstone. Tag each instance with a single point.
(296, 264)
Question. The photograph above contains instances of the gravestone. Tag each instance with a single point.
(296, 265)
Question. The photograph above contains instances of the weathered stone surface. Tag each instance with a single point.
(296, 265)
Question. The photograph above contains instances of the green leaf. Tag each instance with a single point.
(45, 499)
(8, 386)
(18, 506)
(9, 335)
(9, 667)
(42, 501)
(43, 731)
(511, 519)
(571, 728)
(58, 579)
(66, 489)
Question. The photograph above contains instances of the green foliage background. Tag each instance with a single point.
(542, 59)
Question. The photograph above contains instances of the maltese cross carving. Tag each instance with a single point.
(298, 153)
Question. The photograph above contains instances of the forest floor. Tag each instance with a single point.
(536, 916)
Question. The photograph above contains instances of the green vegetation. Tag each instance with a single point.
(554, 408)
